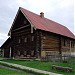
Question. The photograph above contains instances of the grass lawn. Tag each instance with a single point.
(44, 65)
(4, 71)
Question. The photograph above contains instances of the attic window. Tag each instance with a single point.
(32, 38)
(25, 21)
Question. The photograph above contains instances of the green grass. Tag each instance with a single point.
(4, 71)
(44, 65)
(26, 70)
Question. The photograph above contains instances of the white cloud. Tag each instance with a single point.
(3, 38)
(66, 3)
(21, 2)
(61, 11)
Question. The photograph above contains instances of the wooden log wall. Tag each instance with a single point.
(66, 50)
(49, 44)
(23, 48)
(54, 44)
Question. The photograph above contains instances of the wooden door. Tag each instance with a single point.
(6, 53)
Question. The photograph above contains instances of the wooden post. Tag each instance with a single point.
(10, 53)
(31, 29)
(60, 52)
(2, 52)
(10, 34)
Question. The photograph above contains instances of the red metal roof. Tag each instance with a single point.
(46, 24)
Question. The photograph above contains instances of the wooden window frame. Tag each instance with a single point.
(25, 22)
(32, 52)
(19, 53)
(72, 45)
(25, 39)
(19, 41)
(65, 42)
(32, 38)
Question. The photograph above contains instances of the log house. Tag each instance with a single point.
(34, 36)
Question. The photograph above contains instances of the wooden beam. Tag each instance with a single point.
(10, 52)
(31, 29)
(21, 27)
(10, 34)
(3, 53)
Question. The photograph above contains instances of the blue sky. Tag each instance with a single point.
(61, 11)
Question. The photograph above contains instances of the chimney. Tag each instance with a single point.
(42, 15)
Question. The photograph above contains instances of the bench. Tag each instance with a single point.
(67, 69)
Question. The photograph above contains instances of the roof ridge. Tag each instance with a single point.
(29, 11)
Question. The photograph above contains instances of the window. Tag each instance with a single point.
(24, 52)
(72, 44)
(25, 40)
(19, 41)
(44, 37)
(32, 53)
(25, 21)
(32, 38)
(64, 42)
(18, 52)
